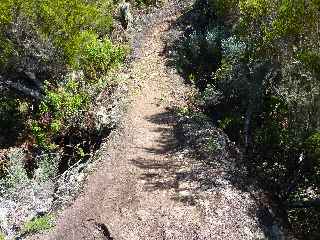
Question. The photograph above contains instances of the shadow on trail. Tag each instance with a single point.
(181, 166)
(169, 141)
(178, 167)
(196, 163)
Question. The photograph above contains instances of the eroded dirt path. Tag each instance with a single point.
(134, 194)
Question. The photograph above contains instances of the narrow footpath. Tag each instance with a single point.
(140, 189)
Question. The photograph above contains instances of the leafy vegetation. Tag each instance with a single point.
(146, 2)
(54, 56)
(257, 65)
(38, 224)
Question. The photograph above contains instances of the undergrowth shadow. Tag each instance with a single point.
(179, 166)
(185, 169)
(190, 50)
(196, 165)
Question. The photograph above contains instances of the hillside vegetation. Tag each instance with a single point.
(52, 52)
(55, 57)
(257, 65)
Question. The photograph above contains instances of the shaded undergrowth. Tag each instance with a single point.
(195, 49)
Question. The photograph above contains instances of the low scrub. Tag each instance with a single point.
(256, 63)
(38, 224)
(54, 57)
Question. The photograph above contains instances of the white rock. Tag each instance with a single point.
(185, 193)
(4, 217)
(102, 117)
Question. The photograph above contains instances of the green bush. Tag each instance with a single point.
(57, 109)
(199, 54)
(11, 115)
(61, 21)
(222, 8)
(38, 224)
(98, 56)
(312, 146)
(46, 40)
(16, 174)
(260, 83)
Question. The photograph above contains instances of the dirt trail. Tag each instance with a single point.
(118, 201)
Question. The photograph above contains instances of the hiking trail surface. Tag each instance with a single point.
(144, 187)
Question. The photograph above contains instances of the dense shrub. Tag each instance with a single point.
(16, 174)
(197, 50)
(38, 224)
(53, 58)
(12, 113)
(259, 81)
(59, 106)
(68, 25)
(99, 55)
